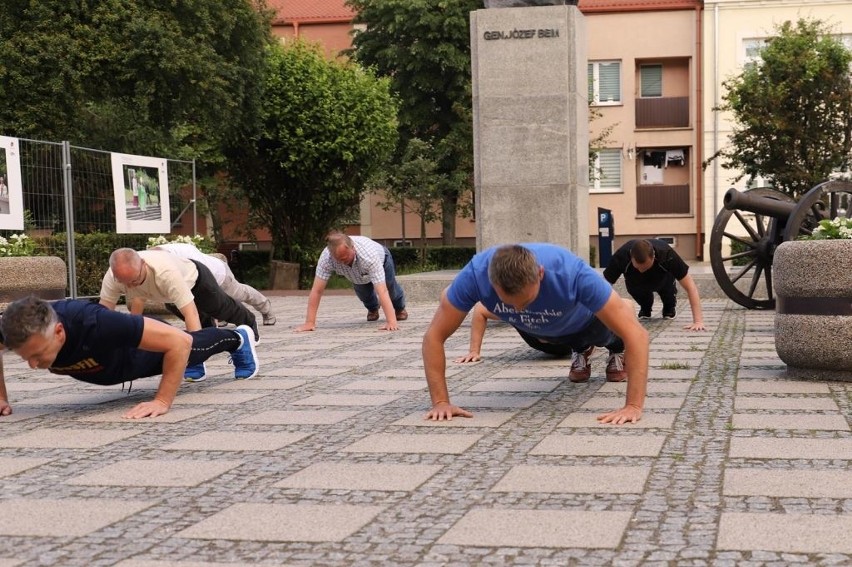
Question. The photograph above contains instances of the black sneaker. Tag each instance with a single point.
(644, 313)
(669, 313)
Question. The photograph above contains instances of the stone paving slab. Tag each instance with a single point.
(790, 533)
(360, 476)
(735, 462)
(346, 400)
(786, 403)
(67, 438)
(298, 417)
(283, 522)
(175, 415)
(233, 441)
(789, 483)
(415, 443)
(482, 419)
(791, 448)
(151, 472)
(538, 528)
(22, 413)
(13, 465)
(605, 445)
(576, 479)
(63, 518)
(648, 421)
(516, 386)
(790, 421)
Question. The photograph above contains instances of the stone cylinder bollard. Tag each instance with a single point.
(42, 276)
(813, 312)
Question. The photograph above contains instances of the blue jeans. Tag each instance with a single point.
(367, 294)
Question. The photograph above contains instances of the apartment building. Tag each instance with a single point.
(644, 67)
(656, 69)
(734, 32)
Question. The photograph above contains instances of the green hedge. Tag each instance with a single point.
(407, 258)
(92, 252)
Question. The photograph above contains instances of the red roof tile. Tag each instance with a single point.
(310, 10)
(636, 5)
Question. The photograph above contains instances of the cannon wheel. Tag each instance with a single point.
(741, 249)
(825, 201)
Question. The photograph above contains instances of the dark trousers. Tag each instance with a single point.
(367, 293)
(644, 293)
(594, 334)
(214, 304)
(205, 343)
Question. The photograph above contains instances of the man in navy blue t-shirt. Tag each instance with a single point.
(549, 295)
(94, 344)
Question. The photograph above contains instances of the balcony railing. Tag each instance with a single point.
(662, 200)
(662, 112)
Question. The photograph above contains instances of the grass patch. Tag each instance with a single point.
(675, 366)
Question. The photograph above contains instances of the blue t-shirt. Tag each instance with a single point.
(99, 342)
(571, 292)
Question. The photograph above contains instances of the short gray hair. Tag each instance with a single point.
(24, 318)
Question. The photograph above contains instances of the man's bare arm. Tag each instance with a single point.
(688, 284)
(191, 318)
(391, 323)
(618, 315)
(314, 298)
(175, 346)
(444, 323)
(5, 408)
(478, 323)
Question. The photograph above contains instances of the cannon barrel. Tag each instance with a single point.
(767, 206)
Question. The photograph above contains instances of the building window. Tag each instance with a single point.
(752, 47)
(651, 81)
(606, 169)
(605, 82)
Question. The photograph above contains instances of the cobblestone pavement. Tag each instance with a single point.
(325, 459)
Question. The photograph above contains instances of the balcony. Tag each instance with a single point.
(662, 200)
(662, 112)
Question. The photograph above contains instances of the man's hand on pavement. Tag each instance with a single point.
(469, 357)
(446, 411)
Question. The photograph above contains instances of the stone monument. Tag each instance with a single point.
(530, 120)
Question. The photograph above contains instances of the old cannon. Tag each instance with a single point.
(753, 223)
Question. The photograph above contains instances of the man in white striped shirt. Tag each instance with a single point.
(369, 266)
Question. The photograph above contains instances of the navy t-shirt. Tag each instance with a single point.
(570, 293)
(99, 344)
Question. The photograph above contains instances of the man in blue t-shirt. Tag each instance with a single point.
(551, 296)
(94, 344)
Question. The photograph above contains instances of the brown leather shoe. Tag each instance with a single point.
(373, 315)
(615, 368)
(401, 315)
(581, 367)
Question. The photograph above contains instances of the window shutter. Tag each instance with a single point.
(651, 77)
(610, 169)
(610, 81)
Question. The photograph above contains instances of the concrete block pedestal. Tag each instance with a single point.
(813, 314)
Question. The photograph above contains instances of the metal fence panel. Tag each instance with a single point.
(69, 207)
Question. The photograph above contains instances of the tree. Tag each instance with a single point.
(327, 127)
(423, 46)
(414, 185)
(151, 77)
(792, 109)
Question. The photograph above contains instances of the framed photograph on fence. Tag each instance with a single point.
(11, 187)
(141, 187)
